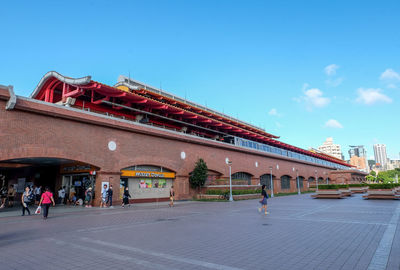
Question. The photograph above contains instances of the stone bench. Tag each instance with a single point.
(388, 194)
(328, 194)
(358, 189)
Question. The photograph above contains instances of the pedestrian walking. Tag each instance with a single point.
(109, 196)
(263, 201)
(38, 193)
(125, 198)
(3, 196)
(11, 196)
(171, 196)
(61, 195)
(104, 196)
(45, 202)
(26, 200)
(88, 197)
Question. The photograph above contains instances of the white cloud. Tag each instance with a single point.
(331, 69)
(390, 75)
(332, 123)
(314, 98)
(273, 112)
(334, 82)
(371, 95)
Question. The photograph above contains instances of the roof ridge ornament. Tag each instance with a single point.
(62, 78)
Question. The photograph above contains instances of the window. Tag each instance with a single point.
(265, 179)
(285, 182)
(242, 176)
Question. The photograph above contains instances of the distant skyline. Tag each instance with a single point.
(302, 70)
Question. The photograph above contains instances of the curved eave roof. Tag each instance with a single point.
(165, 103)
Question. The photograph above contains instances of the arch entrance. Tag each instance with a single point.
(38, 172)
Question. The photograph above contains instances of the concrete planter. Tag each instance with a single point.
(358, 189)
(345, 192)
(328, 194)
(389, 194)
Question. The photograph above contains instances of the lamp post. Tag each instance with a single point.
(229, 162)
(326, 178)
(272, 184)
(298, 182)
(316, 179)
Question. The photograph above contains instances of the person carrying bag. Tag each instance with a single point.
(46, 200)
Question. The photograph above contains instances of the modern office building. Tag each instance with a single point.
(328, 147)
(358, 157)
(380, 155)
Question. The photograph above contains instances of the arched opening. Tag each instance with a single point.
(266, 179)
(241, 178)
(310, 182)
(328, 180)
(321, 181)
(147, 182)
(67, 179)
(285, 182)
(213, 178)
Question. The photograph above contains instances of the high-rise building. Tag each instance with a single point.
(380, 155)
(328, 147)
(358, 157)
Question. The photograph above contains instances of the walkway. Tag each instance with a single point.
(300, 233)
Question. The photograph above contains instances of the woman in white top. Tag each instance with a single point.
(25, 200)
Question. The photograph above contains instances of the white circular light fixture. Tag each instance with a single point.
(183, 155)
(227, 160)
(112, 146)
(256, 164)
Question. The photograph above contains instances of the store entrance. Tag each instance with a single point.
(77, 184)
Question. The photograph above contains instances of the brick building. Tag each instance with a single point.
(80, 133)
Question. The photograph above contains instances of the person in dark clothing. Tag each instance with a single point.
(263, 201)
(126, 196)
(109, 196)
(25, 200)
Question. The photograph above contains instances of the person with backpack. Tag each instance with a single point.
(88, 197)
(26, 200)
(263, 201)
(46, 200)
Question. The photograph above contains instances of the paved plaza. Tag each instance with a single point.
(299, 233)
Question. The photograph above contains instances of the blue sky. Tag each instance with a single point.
(303, 70)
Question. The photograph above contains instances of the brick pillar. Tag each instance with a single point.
(113, 178)
(181, 187)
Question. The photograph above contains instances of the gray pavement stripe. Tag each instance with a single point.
(112, 255)
(130, 225)
(381, 256)
(163, 255)
(330, 220)
(312, 211)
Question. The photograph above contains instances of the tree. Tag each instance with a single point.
(373, 173)
(198, 177)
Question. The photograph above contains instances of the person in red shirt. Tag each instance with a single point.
(46, 200)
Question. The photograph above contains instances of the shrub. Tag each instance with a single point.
(343, 186)
(381, 186)
(357, 185)
(234, 192)
(328, 186)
